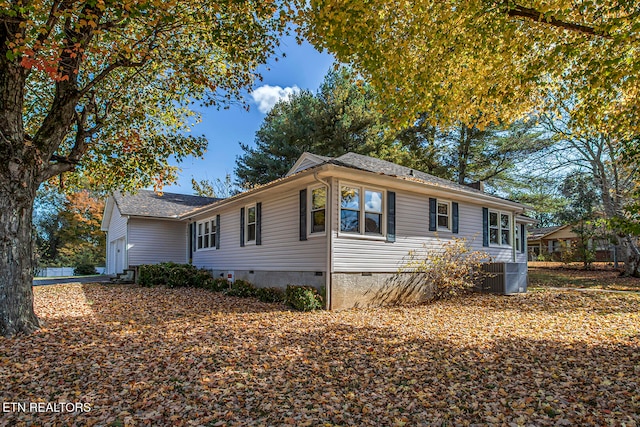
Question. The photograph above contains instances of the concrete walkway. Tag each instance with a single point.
(78, 279)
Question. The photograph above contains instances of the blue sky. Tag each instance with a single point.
(302, 68)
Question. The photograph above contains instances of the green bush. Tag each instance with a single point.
(242, 289)
(84, 269)
(173, 275)
(217, 285)
(270, 294)
(303, 298)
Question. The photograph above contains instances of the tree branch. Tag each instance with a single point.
(537, 16)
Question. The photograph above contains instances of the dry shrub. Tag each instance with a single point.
(452, 270)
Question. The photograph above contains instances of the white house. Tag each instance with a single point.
(345, 224)
(145, 228)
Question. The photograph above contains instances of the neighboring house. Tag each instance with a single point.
(344, 224)
(145, 228)
(551, 243)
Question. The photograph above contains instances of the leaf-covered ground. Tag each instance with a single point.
(143, 356)
(601, 276)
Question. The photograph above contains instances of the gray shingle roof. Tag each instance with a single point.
(374, 165)
(537, 233)
(169, 205)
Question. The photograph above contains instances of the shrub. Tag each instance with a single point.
(173, 275)
(84, 269)
(270, 294)
(242, 289)
(438, 274)
(217, 285)
(303, 298)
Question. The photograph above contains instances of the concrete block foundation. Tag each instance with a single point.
(349, 290)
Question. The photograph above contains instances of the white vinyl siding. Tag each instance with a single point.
(281, 248)
(154, 241)
(306, 164)
(412, 219)
(117, 225)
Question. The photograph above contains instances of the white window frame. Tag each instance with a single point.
(449, 215)
(362, 212)
(310, 212)
(211, 235)
(500, 229)
(246, 224)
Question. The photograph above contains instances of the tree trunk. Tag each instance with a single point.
(631, 256)
(16, 261)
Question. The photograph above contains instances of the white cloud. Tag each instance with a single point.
(267, 96)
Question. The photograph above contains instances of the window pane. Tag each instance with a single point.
(200, 242)
(443, 209)
(318, 198)
(349, 221)
(372, 223)
(251, 215)
(317, 224)
(443, 221)
(493, 218)
(504, 221)
(493, 236)
(206, 227)
(251, 232)
(373, 201)
(505, 237)
(206, 241)
(199, 229)
(350, 198)
(213, 226)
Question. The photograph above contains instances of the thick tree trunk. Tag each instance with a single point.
(16, 260)
(631, 257)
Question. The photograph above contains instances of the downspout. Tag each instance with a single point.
(328, 216)
(126, 245)
(514, 250)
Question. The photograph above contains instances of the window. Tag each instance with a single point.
(518, 240)
(318, 209)
(350, 209)
(505, 229)
(443, 215)
(372, 212)
(356, 210)
(207, 234)
(251, 224)
(499, 228)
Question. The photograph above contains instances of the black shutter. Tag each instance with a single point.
(192, 240)
(455, 217)
(259, 223)
(523, 238)
(433, 219)
(217, 231)
(391, 216)
(303, 214)
(485, 226)
(241, 226)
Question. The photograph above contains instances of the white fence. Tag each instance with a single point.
(63, 271)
